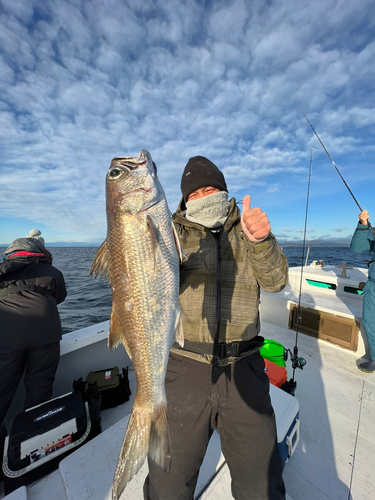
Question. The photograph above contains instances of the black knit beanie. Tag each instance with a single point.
(201, 172)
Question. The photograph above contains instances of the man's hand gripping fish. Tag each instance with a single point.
(140, 256)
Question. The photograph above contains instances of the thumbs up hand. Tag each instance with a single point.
(254, 222)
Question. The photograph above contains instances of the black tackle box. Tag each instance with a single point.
(42, 436)
(112, 386)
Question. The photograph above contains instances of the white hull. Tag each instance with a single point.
(336, 451)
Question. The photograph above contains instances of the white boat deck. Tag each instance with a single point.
(335, 458)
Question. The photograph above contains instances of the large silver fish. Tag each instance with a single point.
(140, 256)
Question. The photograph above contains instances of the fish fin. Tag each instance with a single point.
(115, 332)
(159, 449)
(155, 235)
(133, 451)
(181, 253)
(179, 333)
(100, 264)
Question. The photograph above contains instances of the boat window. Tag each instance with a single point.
(351, 289)
(322, 284)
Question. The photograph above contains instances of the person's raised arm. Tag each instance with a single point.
(364, 217)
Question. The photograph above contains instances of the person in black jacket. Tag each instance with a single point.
(30, 327)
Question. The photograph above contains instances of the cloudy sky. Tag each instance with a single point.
(84, 81)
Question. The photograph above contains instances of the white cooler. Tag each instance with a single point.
(286, 409)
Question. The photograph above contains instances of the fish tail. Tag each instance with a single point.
(146, 434)
(133, 451)
(160, 447)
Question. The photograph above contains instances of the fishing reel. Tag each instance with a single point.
(297, 361)
(290, 386)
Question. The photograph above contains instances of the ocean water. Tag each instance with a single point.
(89, 299)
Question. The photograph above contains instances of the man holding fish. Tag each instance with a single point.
(215, 378)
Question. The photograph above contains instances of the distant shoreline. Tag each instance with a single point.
(338, 245)
(281, 243)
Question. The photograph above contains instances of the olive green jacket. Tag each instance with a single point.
(220, 281)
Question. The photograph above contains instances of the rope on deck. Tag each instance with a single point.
(356, 440)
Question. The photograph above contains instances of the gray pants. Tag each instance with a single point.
(39, 364)
(236, 400)
(368, 315)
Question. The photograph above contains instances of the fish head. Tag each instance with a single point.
(132, 184)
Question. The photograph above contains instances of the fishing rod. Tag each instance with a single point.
(334, 164)
(298, 362)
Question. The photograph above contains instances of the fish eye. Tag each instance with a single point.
(115, 172)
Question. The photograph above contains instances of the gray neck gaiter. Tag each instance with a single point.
(211, 211)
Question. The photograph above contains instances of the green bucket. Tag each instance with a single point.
(273, 351)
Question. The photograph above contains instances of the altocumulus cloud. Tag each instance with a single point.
(82, 82)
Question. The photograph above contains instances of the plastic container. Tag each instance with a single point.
(273, 351)
(276, 373)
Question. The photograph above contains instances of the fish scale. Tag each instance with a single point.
(141, 301)
(141, 257)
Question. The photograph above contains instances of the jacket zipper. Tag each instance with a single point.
(218, 285)
(218, 279)
(218, 282)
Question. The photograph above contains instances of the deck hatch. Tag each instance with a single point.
(336, 329)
